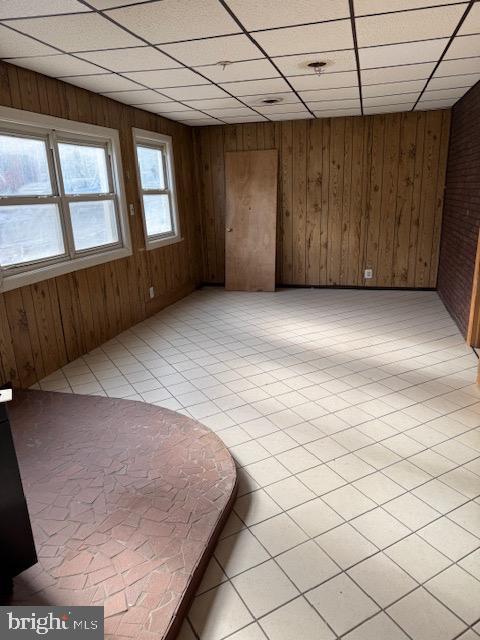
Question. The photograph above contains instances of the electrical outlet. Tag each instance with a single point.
(368, 274)
(151, 292)
(132, 209)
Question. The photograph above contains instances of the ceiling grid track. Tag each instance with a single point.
(264, 53)
(357, 56)
(158, 48)
(452, 37)
(370, 57)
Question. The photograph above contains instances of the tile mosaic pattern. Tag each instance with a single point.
(124, 499)
(381, 56)
(354, 421)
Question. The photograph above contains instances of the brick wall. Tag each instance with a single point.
(461, 215)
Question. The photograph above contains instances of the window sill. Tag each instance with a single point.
(25, 278)
(162, 242)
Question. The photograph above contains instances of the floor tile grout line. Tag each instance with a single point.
(411, 532)
(451, 354)
(345, 571)
(381, 469)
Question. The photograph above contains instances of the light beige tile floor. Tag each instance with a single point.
(355, 425)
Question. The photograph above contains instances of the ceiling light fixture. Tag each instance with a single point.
(316, 66)
(271, 100)
(224, 63)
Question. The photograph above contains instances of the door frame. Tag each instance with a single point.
(473, 331)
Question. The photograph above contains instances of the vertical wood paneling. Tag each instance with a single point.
(287, 207)
(299, 199)
(314, 201)
(45, 325)
(335, 199)
(354, 193)
(403, 217)
(388, 203)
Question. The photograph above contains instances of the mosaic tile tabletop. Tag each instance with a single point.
(125, 500)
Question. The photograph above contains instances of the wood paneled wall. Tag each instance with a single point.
(45, 325)
(354, 193)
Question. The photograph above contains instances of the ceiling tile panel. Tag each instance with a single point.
(298, 65)
(80, 32)
(338, 113)
(215, 103)
(131, 59)
(392, 28)
(269, 14)
(397, 74)
(392, 88)
(330, 36)
(212, 50)
(390, 108)
(251, 70)
(396, 54)
(365, 7)
(290, 116)
(164, 107)
(234, 120)
(136, 97)
(198, 92)
(458, 67)
(253, 87)
(201, 122)
(184, 114)
(58, 66)
(452, 82)
(445, 94)
(13, 45)
(230, 113)
(175, 20)
(472, 21)
(426, 105)
(324, 81)
(464, 47)
(287, 107)
(334, 104)
(28, 8)
(102, 82)
(330, 94)
(166, 78)
(286, 97)
(111, 4)
(388, 99)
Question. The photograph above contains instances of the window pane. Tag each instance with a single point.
(151, 168)
(157, 214)
(84, 169)
(29, 232)
(93, 223)
(23, 167)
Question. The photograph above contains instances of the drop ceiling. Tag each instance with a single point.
(163, 55)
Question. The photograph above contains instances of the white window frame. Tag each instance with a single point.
(53, 130)
(165, 144)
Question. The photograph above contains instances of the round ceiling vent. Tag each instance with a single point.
(271, 100)
(316, 66)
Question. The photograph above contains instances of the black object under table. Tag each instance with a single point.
(17, 548)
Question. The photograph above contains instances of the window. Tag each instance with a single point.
(62, 205)
(156, 181)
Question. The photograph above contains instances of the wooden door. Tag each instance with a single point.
(251, 220)
(473, 331)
